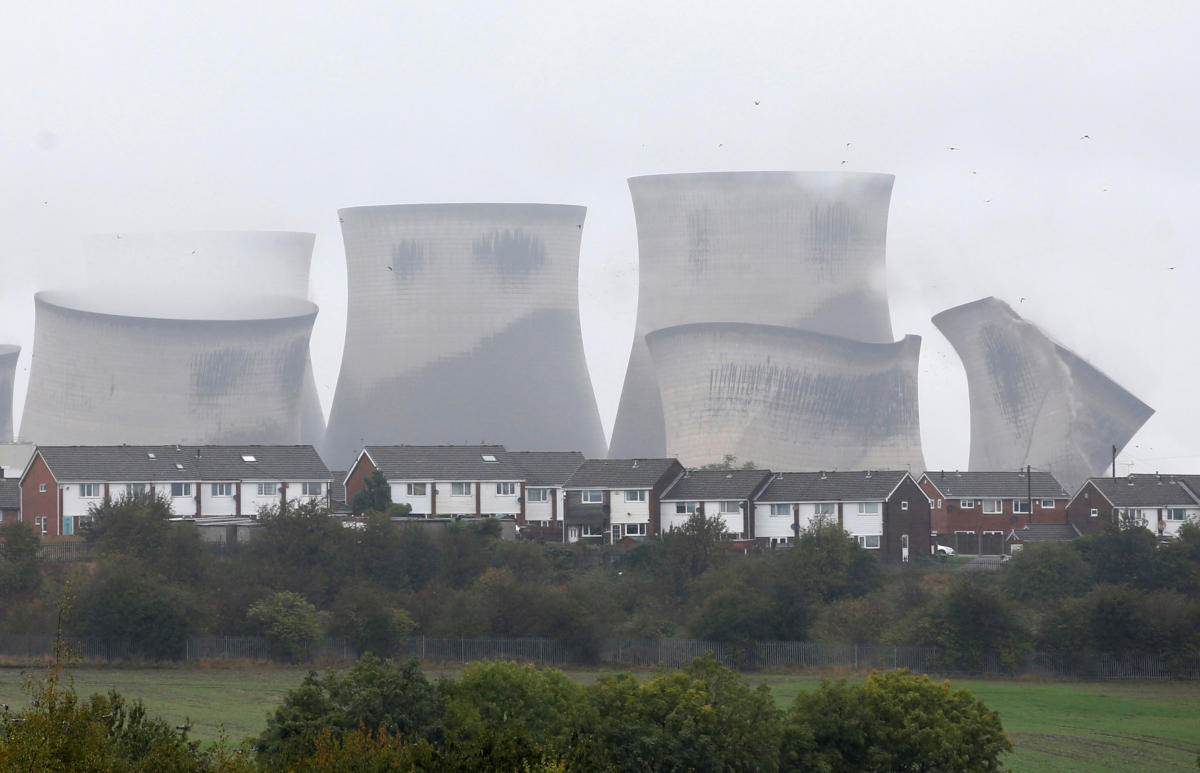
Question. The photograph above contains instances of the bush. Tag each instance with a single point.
(970, 622)
(287, 621)
(362, 614)
(120, 603)
(20, 559)
(894, 722)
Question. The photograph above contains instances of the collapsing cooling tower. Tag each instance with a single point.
(1034, 402)
(787, 399)
(8, 372)
(204, 264)
(463, 326)
(145, 371)
(797, 249)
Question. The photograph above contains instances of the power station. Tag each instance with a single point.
(9, 354)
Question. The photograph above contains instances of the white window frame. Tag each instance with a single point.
(221, 489)
(306, 488)
(416, 489)
(591, 496)
(267, 489)
(904, 504)
(1021, 507)
(636, 529)
(135, 488)
(868, 508)
(966, 504)
(40, 521)
(537, 495)
(185, 490)
(939, 504)
(825, 508)
(635, 495)
(42, 490)
(1172, 511)
(865, 540)
(91, 490)
(506, 489)
(592, 530)
(687, 508)
(460, 488)
(780, 509)
(1047, 504)
(993, 506)
(730, 507)
(1095, 512)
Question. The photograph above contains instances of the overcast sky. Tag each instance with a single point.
(223, 115)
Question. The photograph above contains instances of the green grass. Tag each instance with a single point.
(1055, 726)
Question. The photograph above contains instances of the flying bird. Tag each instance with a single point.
(843, 162)
(757, 101)
(987, 201)
(951, 148)
(1085, 137)
(1022, 300)
(847, 144)
(973, 172)
(389, 268)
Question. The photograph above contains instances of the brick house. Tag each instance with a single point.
(884, 510)
(1160, 503)
(608, 500)
(10, 499)
(972, 512)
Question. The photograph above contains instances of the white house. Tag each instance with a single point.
(727, 494)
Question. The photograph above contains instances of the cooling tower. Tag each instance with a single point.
(207, 264)
(8, 372)
(787, 399)
(463, 326)
(1034, 402)
(797, 249)
(220, 371)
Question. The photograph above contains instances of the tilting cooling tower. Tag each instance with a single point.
(8, 372)
(797, 249)
(1034, 402)
(204, 264)
(152, 370)
(787, 399)
(463, 326)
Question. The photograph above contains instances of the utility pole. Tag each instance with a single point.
(1028, 494)
(1114, 467)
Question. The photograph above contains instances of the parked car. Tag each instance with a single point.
(944, 550)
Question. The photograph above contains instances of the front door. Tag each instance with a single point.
(904, 548)
(616, 533)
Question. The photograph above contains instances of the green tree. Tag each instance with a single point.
(302, 549)
(693, 548)
(893, 723)
(20, 559)
(1124, 557)
(363, 613)
(119, 602)
(375, 695)
(375, 496)
(495, 700)
(970, 622)
(288, 622)
(136, 529)
(1047, 570)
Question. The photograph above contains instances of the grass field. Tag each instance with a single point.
(1055, 726)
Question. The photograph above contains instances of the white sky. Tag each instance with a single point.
(223, 115)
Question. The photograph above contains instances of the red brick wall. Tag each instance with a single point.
(913, 521)
(952, 517)
(354, 481)
(1079, 511)
(35, 503)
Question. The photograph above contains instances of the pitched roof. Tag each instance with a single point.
(337, 489)
(1002, 485)
(1145, 491)
(173, 463)
(547, 468)
(450, 463)
(10, 494)
(698, 485)
(1045, 532)
(858, 485)
(621, 473)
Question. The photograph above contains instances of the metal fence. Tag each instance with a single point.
(636, 653)
(66, 551)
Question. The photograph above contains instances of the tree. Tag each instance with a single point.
(496, 699)
(302, 549)
(375, 496)
(970, 622)
(119, 602)
(1047, 570)
(692, 548)
(20, 559)
(375, 695)
(136, 529)
(895, 722)
(361, 612)
(288, 622)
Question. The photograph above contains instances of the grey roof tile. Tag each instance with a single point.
(446, 463)
(1145, 491)
(698, 485)
(621, 473)
(10, 494)
(1002, 485)
(173, 463)
(856, 485)
(547, 468)
(1044, 532)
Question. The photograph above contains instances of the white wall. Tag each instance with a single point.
(498, 504)
(767, 525)
(1171, 528)
(624, 511)
(541, 511)
(219, 505)
(862, 525)
(421, 505)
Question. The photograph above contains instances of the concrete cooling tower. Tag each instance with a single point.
(797, 249)
(145, 370)
(8, 372)
(463, 326)
(206, 264)
(1034, 402)
(787, 399)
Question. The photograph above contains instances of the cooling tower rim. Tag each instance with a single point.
(776, 331)
(231, 308)
(774, 176)
(484, 209)
(990, 303)
(7, 349)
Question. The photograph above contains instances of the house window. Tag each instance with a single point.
(267, 489)
(939, 504)
(780, 541)
(781, 509)
(966, 504)
(506, 489)
(181, 489)
(42, 490)
(731, 507)
(638, 495)
(461, 489)
(635, 530)
(416, 489)
(90, 490)
(686, 508)
(992, 507)
(904, 504)
(1133, 513)
(312, 489)
(537, 494)
(869, 541)
(1176, 514)
(1047, 504)
(1095, 512)
(592, 496)
(39, 522)
(135, 488)
(1020, 505)
(572, 533)
(868, 508)
(222, 489)
(593, 530)
(824, 508)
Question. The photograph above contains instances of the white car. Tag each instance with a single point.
(944, 550)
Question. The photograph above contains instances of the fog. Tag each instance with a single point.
(1043, 154)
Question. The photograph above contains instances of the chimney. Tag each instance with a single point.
(635, 464)
(822, 475)
(868, 473)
